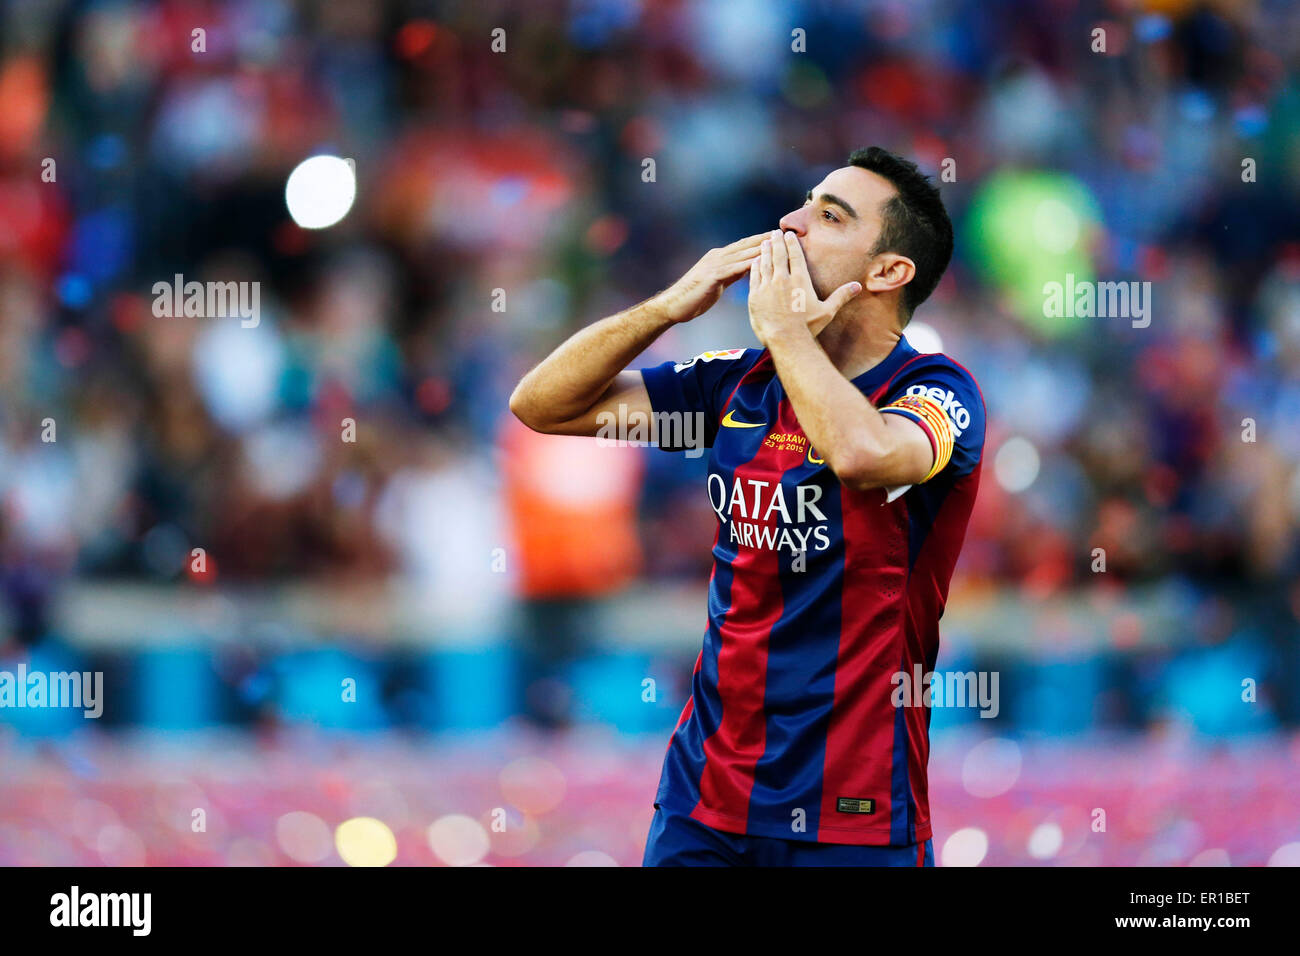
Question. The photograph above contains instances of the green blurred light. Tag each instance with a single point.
(1028, 228)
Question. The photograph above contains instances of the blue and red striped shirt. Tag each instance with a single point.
(819, 595)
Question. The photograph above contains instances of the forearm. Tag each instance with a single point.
(573, 378)
(847, 431)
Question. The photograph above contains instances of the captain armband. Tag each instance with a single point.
(934, 421)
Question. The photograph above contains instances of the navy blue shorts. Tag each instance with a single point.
(677, 840)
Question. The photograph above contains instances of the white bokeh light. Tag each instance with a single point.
(966, 847)
(591, 858)
(304, 837)
(320, 191)
(991, 768)
(1288, 854)
(1016, 464)
(924, 338)
(1046, 840)
(458, 840)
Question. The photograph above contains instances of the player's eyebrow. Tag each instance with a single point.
(834, 200)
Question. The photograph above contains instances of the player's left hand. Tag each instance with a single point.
(781, 293)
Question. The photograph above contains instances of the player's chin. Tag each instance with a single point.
(819, 286)
(822, 289)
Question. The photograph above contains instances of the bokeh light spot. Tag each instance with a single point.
(365, 841)
(991, 768)
(320, 191)
(304, 837)
(966, 847)
(458, 840)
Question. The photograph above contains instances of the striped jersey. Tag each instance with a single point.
(820, 596)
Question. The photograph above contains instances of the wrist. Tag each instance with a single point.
(788, 336)
(660, 310)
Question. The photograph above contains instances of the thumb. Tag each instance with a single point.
(842, 295)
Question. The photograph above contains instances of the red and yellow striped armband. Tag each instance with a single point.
(929, 414)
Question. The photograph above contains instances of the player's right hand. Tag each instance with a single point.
(699, 290)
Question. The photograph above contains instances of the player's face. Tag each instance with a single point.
(838, 225)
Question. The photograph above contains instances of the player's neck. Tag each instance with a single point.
(858, 342)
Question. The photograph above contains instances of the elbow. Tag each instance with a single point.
(528, 410)
(860, 467)
(518, 406)
(522, 409)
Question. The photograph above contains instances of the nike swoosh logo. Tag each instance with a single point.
(732, 423)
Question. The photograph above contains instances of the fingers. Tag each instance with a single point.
(736, 257)
(780, 255)
(731, 271)
(742, 246)
(765, 259)
(840, 297)
(738, 266)
(795, 252)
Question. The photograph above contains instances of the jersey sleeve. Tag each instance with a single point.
(943, 398)
(697, 387)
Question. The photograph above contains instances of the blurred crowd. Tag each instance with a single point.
(504, 201)
(583, 802)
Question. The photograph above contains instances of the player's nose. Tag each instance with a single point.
(794, 221)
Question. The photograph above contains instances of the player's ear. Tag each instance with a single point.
(889, 271)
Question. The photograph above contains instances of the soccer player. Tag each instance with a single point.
(843, 468)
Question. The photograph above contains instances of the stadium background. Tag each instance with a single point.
(501, 599)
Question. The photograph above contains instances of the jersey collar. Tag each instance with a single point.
(880, 373)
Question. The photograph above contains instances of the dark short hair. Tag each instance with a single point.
(914, 222)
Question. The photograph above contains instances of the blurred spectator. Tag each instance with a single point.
(572, 507)
(128, 156)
